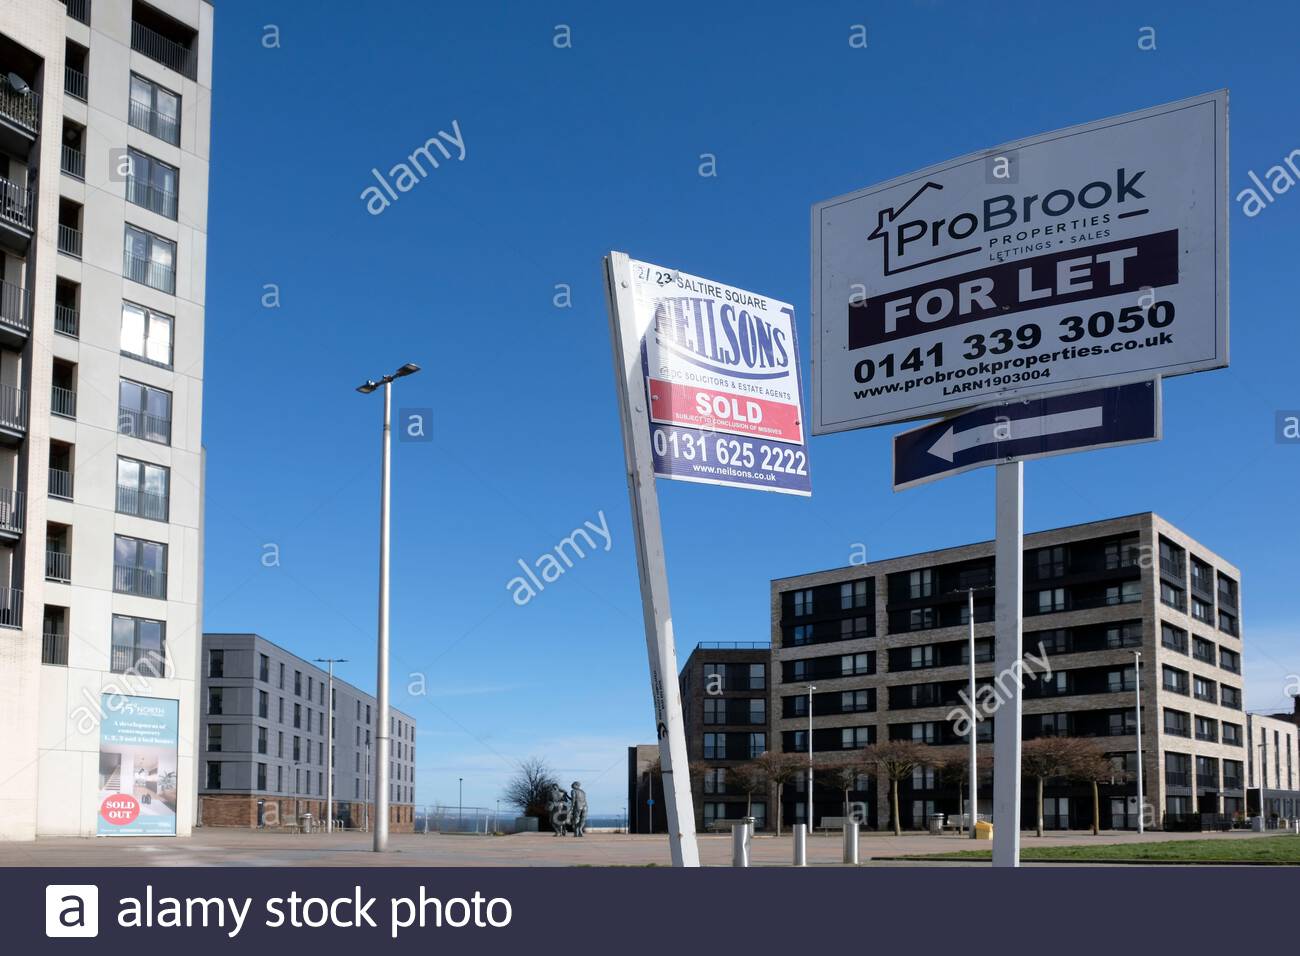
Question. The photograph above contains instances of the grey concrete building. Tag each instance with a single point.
(104, 151)
(885, 644)
(262, 752)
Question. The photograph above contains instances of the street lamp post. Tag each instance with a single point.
(811, 688)
(971, 772)
(1137, 692)
(382, 741)
(329, 745)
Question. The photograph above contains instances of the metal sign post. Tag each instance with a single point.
(650, 562)
(1008, 572)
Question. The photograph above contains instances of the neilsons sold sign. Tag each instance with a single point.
(1087, 257)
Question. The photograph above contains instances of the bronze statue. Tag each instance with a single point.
(578, 810)
(557, 805)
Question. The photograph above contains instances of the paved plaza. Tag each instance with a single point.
(230, 847)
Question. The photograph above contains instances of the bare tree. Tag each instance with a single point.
(747, 778)
(896, 759)
(780, 769)
(847, 770)
(1090, 764)
(955, 770)
(1046, 757)
(529, 787)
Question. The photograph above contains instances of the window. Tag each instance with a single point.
(803, 603)
(801, 634)
(1122, 554)
(757, 745)
(854, 738)
(923, 656)
(261, 744)
(282, 678)
(1203, 650)
(297, 683)
(144, 412)
(1232, 734)
(1122, 723)
(1051, 599)
(261, 776)
(1173, 638)
(757, 676)
(1054, 725)
(297, 716)
(1051, 562)
(139, 567)
(146, 334)
(920, 618)
(855, 701)
(1228, 623)
(216, 663)
(1229, 660)
(1227, 592)
(854, 627)
(1230, 697)
(1177, 723)
(920, 583)
(1202, 577)
(853, 594)
(1123, 635)
(297, 748)
(214, 775)
(1129, 592)
(715, 780)
(715, 711)
(263, 670)
(1207, 729)
(927, 732)
(1203, 689)
(1207, 773)
(140, 646)
(151, 183)
(1121, 679)
(263, 703)
(1171, 558)
(155, 110)
(1175, 680)
(1174, 597)
(149, 260)
(1232, 774)
(214, 736)
(758, 710)
(1178, 770)
(852, 665)
(715, 746)
(1202, 612)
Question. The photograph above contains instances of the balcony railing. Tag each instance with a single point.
(156, 275)
(145, 117)
(60, 483)
(13, 307)
(138, 660)
(23, 109)
(16, 204)
(63, 401)
(143, 582)
(54, 648)
(138, 424)
(141, 503)
(70, 241)
(11, 607)
(75, 83)
(12, 510)
(13, 408)
(78, 10)
(58, 566)
(167, 52)
(151, 197)
(67, 320)
(73, 162)
(1177, 778)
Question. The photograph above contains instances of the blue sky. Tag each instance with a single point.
(572, 152)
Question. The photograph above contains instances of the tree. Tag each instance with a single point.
(747, 778)
(779, 769)
(846, 772)
(1046, 757)
(896, 759)
(1090, 764)
(529, 789)
(956, 771)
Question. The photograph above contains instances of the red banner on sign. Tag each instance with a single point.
(675, 404)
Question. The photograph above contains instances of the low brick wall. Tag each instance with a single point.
(240, 810)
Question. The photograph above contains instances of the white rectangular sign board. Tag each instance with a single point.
(722, 379)
(1084, 258)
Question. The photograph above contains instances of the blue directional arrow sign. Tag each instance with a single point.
(1051, 425)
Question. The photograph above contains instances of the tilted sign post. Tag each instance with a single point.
(1082, 259)
(709, 391)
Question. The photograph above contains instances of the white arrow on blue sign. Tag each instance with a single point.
(1010, 431)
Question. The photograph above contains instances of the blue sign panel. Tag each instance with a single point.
(1010, 431)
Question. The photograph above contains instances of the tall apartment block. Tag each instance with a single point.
(104, 149)
(264, 741)
(885, 645)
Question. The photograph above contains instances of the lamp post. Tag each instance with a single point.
(329, 745)
(811, 688)
(382, 741)
(1137, 700)
(971, 771)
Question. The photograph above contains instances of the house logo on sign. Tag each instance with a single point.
(909, 243)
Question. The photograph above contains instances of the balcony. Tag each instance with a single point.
(20, 108)
(163, 50)
(15, 216)
(156, 275)
(75, 83)
(60, 484)
(58, 566)
(139, 660)
(67, 320)
(141, 503)
(73, 162)
(151, 197)
(15, 314)
(70, 241)
(63, 402)
(144, 117)
(54, 648)
(13, 415)
(142, 582)
(140, 424)
(78, 10)
(11, 607)
(12, 514)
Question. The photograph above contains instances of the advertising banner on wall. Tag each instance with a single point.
(1083, 258)
(723, 382)
(137, 766)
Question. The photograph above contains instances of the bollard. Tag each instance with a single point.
(742, 832)
(800, 844)
(851, 842)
